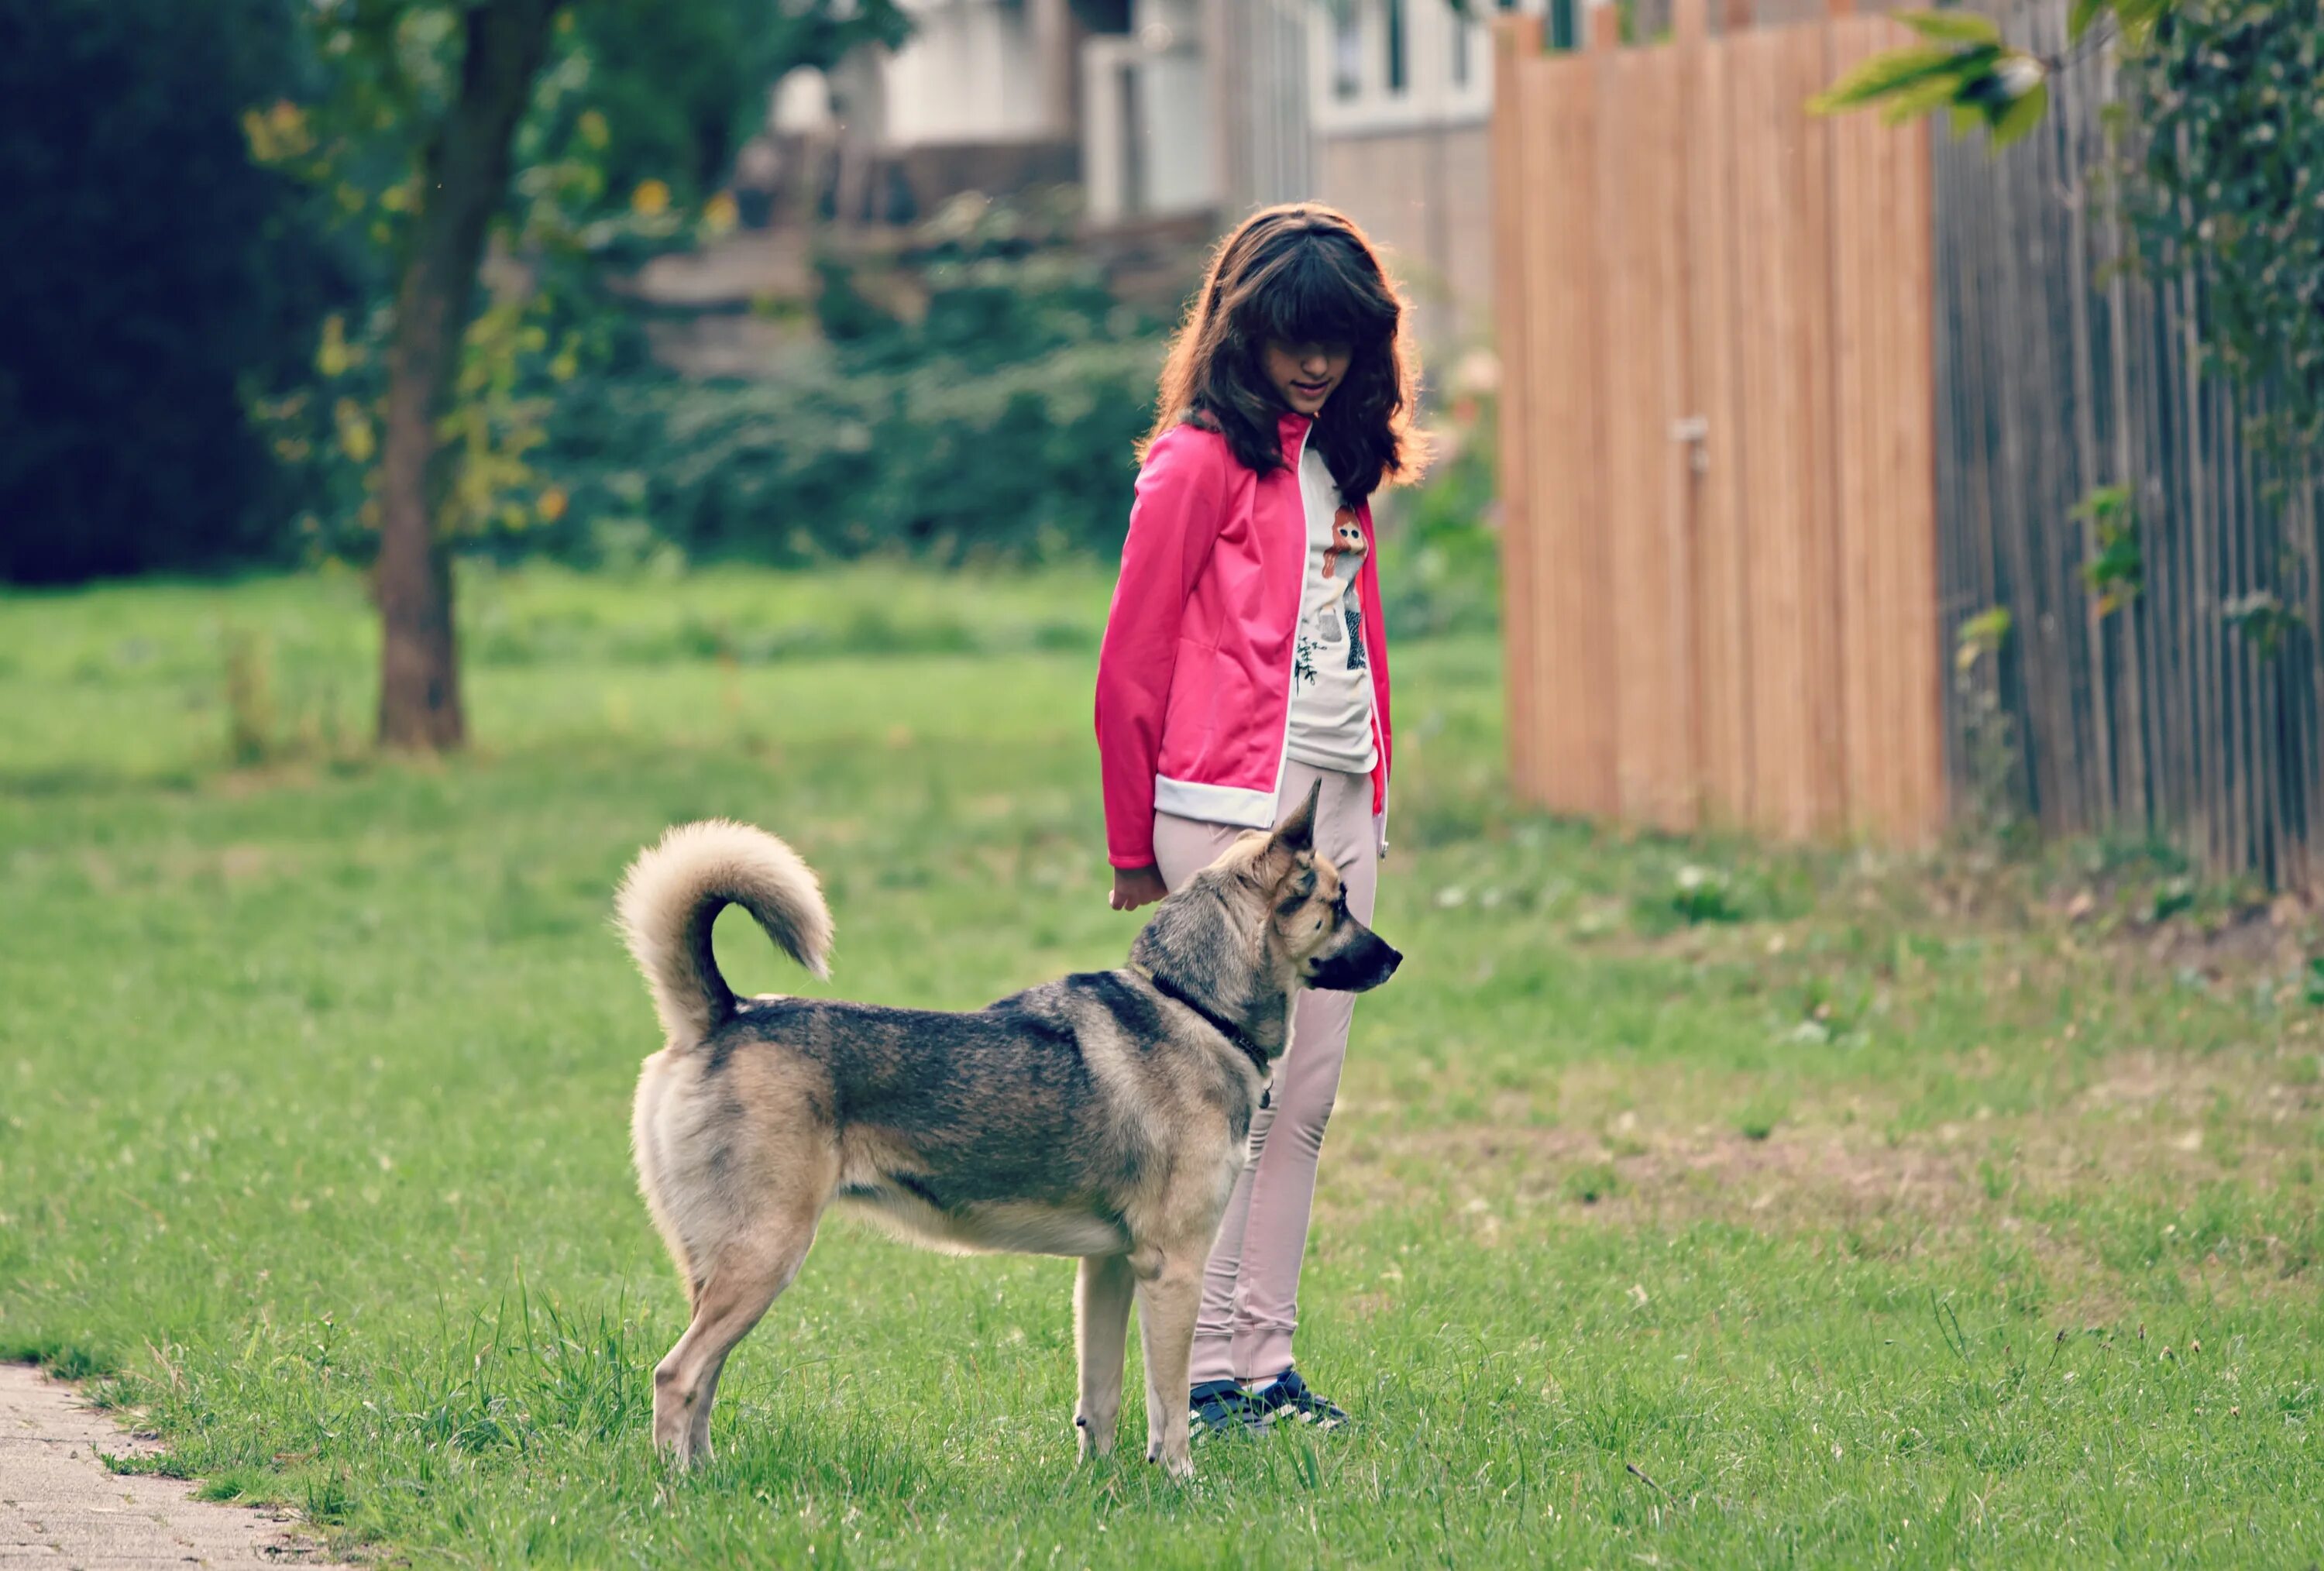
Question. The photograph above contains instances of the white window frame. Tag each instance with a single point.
(1430, 96)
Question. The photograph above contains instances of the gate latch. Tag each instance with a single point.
(1695, 430)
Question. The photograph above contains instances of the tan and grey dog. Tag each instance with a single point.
(1103, 1116)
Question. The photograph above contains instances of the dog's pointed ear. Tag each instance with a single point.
(1297, 832)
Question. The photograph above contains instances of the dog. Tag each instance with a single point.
(1104, 1116)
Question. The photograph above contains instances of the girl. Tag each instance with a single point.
(1243, 662)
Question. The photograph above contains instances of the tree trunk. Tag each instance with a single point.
(466, 177)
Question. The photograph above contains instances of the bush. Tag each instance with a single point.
(1018, 465)
(2226, 99)
(153, 277)
(993, 418)
(1440, 542)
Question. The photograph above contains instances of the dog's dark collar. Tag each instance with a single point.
(1219, 1023)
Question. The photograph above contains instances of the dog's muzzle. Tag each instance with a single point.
(1359, 967)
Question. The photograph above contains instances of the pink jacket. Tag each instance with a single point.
(1193, 678)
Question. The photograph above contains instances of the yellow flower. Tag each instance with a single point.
(652, 198)
(356, 438)
(720, 215)
(551, 505)
(278, 134)
(334, 355)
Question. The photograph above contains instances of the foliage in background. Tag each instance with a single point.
(682, 87)
(2117, 569)
(978, 396)
(975, 398)
(1990, 810)
(1963, 68)
(2223, 120)
(632, 123)
(207, 207)
(440, 134)
(1440, 540)
(155, 279)
(2227, 98)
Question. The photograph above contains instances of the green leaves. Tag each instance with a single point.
(1891, 76)
(2115, 570)
(2013, 116)
(1953, 27)
(630, 123)
(1964, 69)
(1981, 636)
(2228, 97)
(2137, 18)
(2262, 619)
(1967, 71)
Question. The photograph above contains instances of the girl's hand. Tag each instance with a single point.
(1136, 886)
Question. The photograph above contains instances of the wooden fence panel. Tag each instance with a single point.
(1717, 320)
(1884, 460)
(1519, 38)
(2059, 371)
(1724, 665)
(1640, 230)
(1569, 555)
(1782, 224)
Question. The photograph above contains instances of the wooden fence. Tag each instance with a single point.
(2059, 370)
(1718, 486)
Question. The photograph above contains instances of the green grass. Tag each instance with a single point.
(1837, 1220)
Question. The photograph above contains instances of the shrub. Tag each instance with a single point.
(1440, 542)
(153, 276)
(993, 418)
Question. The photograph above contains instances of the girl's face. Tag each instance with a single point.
(1305, 374)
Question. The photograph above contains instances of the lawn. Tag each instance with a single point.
(1687, 1203)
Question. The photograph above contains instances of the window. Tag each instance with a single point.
(1346, 50)
(1564, 26)
(1376, 66)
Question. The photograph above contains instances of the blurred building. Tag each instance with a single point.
(1376, 106)
(1171, 115)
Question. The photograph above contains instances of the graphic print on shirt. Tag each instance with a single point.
(1332, 625)
(1330, 726)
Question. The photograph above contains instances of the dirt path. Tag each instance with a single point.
(60, 1509)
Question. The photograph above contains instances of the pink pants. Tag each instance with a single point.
(1251, 1288)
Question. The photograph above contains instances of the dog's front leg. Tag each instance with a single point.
(1101, 1294)
(1167, 1305)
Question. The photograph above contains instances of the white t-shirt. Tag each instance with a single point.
(1331, 684)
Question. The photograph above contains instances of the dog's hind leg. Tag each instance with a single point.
(1102, 1295)
(1165, 1324)
(742, 1282)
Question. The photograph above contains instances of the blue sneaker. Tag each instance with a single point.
(1221, 1407)
(1288, 1401)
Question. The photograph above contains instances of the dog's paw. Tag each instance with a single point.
(1094, 1441)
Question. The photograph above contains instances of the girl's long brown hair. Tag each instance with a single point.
(1300, 273)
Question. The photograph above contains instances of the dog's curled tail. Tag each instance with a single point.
(674, 891)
